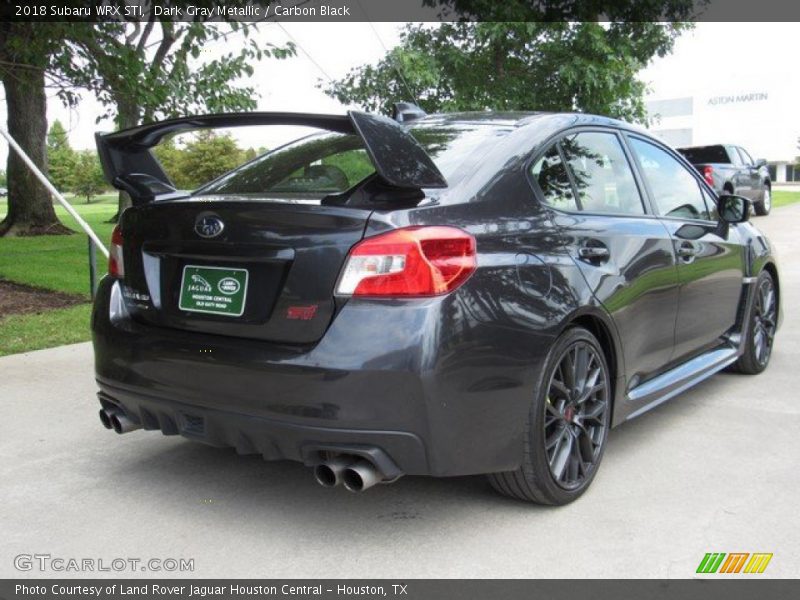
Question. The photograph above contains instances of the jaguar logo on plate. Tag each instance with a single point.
(208, 226)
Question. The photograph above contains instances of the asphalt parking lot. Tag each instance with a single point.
(714, 470)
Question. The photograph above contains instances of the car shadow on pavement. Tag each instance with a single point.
(184, 477)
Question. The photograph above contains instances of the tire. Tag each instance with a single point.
(575, 429)
(763, 319)
(763, 207)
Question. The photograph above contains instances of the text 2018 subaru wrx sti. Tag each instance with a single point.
(426, 295)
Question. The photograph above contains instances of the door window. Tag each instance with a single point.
(734, 155)
(550, 175)
(675, 190)
(746, 157)
(711, 204)
(602, 174)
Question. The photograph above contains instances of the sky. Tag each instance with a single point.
(282, 85)
(725, 57)
(733, 59)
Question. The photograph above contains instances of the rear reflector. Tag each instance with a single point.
(116, 266)
(414, 261)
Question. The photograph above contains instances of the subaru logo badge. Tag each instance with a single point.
(208, 226)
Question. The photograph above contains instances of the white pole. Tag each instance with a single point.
(46, 182)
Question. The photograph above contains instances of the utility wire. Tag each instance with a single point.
(304, 51)
(392, 58)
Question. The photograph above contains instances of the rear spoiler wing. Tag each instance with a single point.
(129, 165)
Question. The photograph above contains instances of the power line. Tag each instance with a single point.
(304, 51)
(389, 55)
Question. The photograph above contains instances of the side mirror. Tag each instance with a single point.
(761, 162)
(733, 209)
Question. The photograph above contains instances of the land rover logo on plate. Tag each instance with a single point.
(228, 286)
(208, 226)
(213, 290)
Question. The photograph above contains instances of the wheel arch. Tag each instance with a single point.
(772, 269)
(602, 327)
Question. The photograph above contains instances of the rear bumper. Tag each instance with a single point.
(394, 452)
(425, 395)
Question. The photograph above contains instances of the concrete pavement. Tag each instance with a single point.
(714, 470)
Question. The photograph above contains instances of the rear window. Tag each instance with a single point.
(705, 154)
(331, 163)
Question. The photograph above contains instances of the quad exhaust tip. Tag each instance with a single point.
(105, 418)
(356, 475)
(360, 476)
(116, 420)
(329, 474)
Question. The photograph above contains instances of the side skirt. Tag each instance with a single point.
(658, 390)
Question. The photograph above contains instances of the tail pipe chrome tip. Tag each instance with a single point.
(116, 420)
(329, 474)
(360, 475)
(105, 418)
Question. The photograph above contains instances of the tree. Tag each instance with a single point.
(145, 71)
(89, 180)
(61, 158)
(30, 55)
(206, 156)
(551, 66)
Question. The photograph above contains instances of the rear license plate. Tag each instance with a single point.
(213, 290)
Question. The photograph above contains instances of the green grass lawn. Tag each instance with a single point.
(23, 333)
(782, 198)
(60, 263)
(57, 263)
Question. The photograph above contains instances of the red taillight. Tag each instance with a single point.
(415, 261)
(708, 175)
(116, 266)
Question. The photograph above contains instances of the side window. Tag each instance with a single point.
(550, 174)
(675, 190)
(711, 204)
(601, 172)
(734, 155)
(746, 157)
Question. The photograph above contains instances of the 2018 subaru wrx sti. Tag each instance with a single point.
(427, 295)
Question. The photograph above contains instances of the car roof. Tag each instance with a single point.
(707, 146)
(520, 119)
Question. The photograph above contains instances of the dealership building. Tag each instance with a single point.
(764, 121)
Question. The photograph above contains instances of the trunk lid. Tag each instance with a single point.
(268, 274)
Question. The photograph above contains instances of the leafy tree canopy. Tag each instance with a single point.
(61, 158)
(145, 71)
(200, 157)
(89, 180)
(551, 66)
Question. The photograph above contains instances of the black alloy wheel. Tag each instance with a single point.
(568, 426)
(762, 327)
(764, 321)
(575, 419)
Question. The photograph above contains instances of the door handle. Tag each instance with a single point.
(594, 251)
(687, 250)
